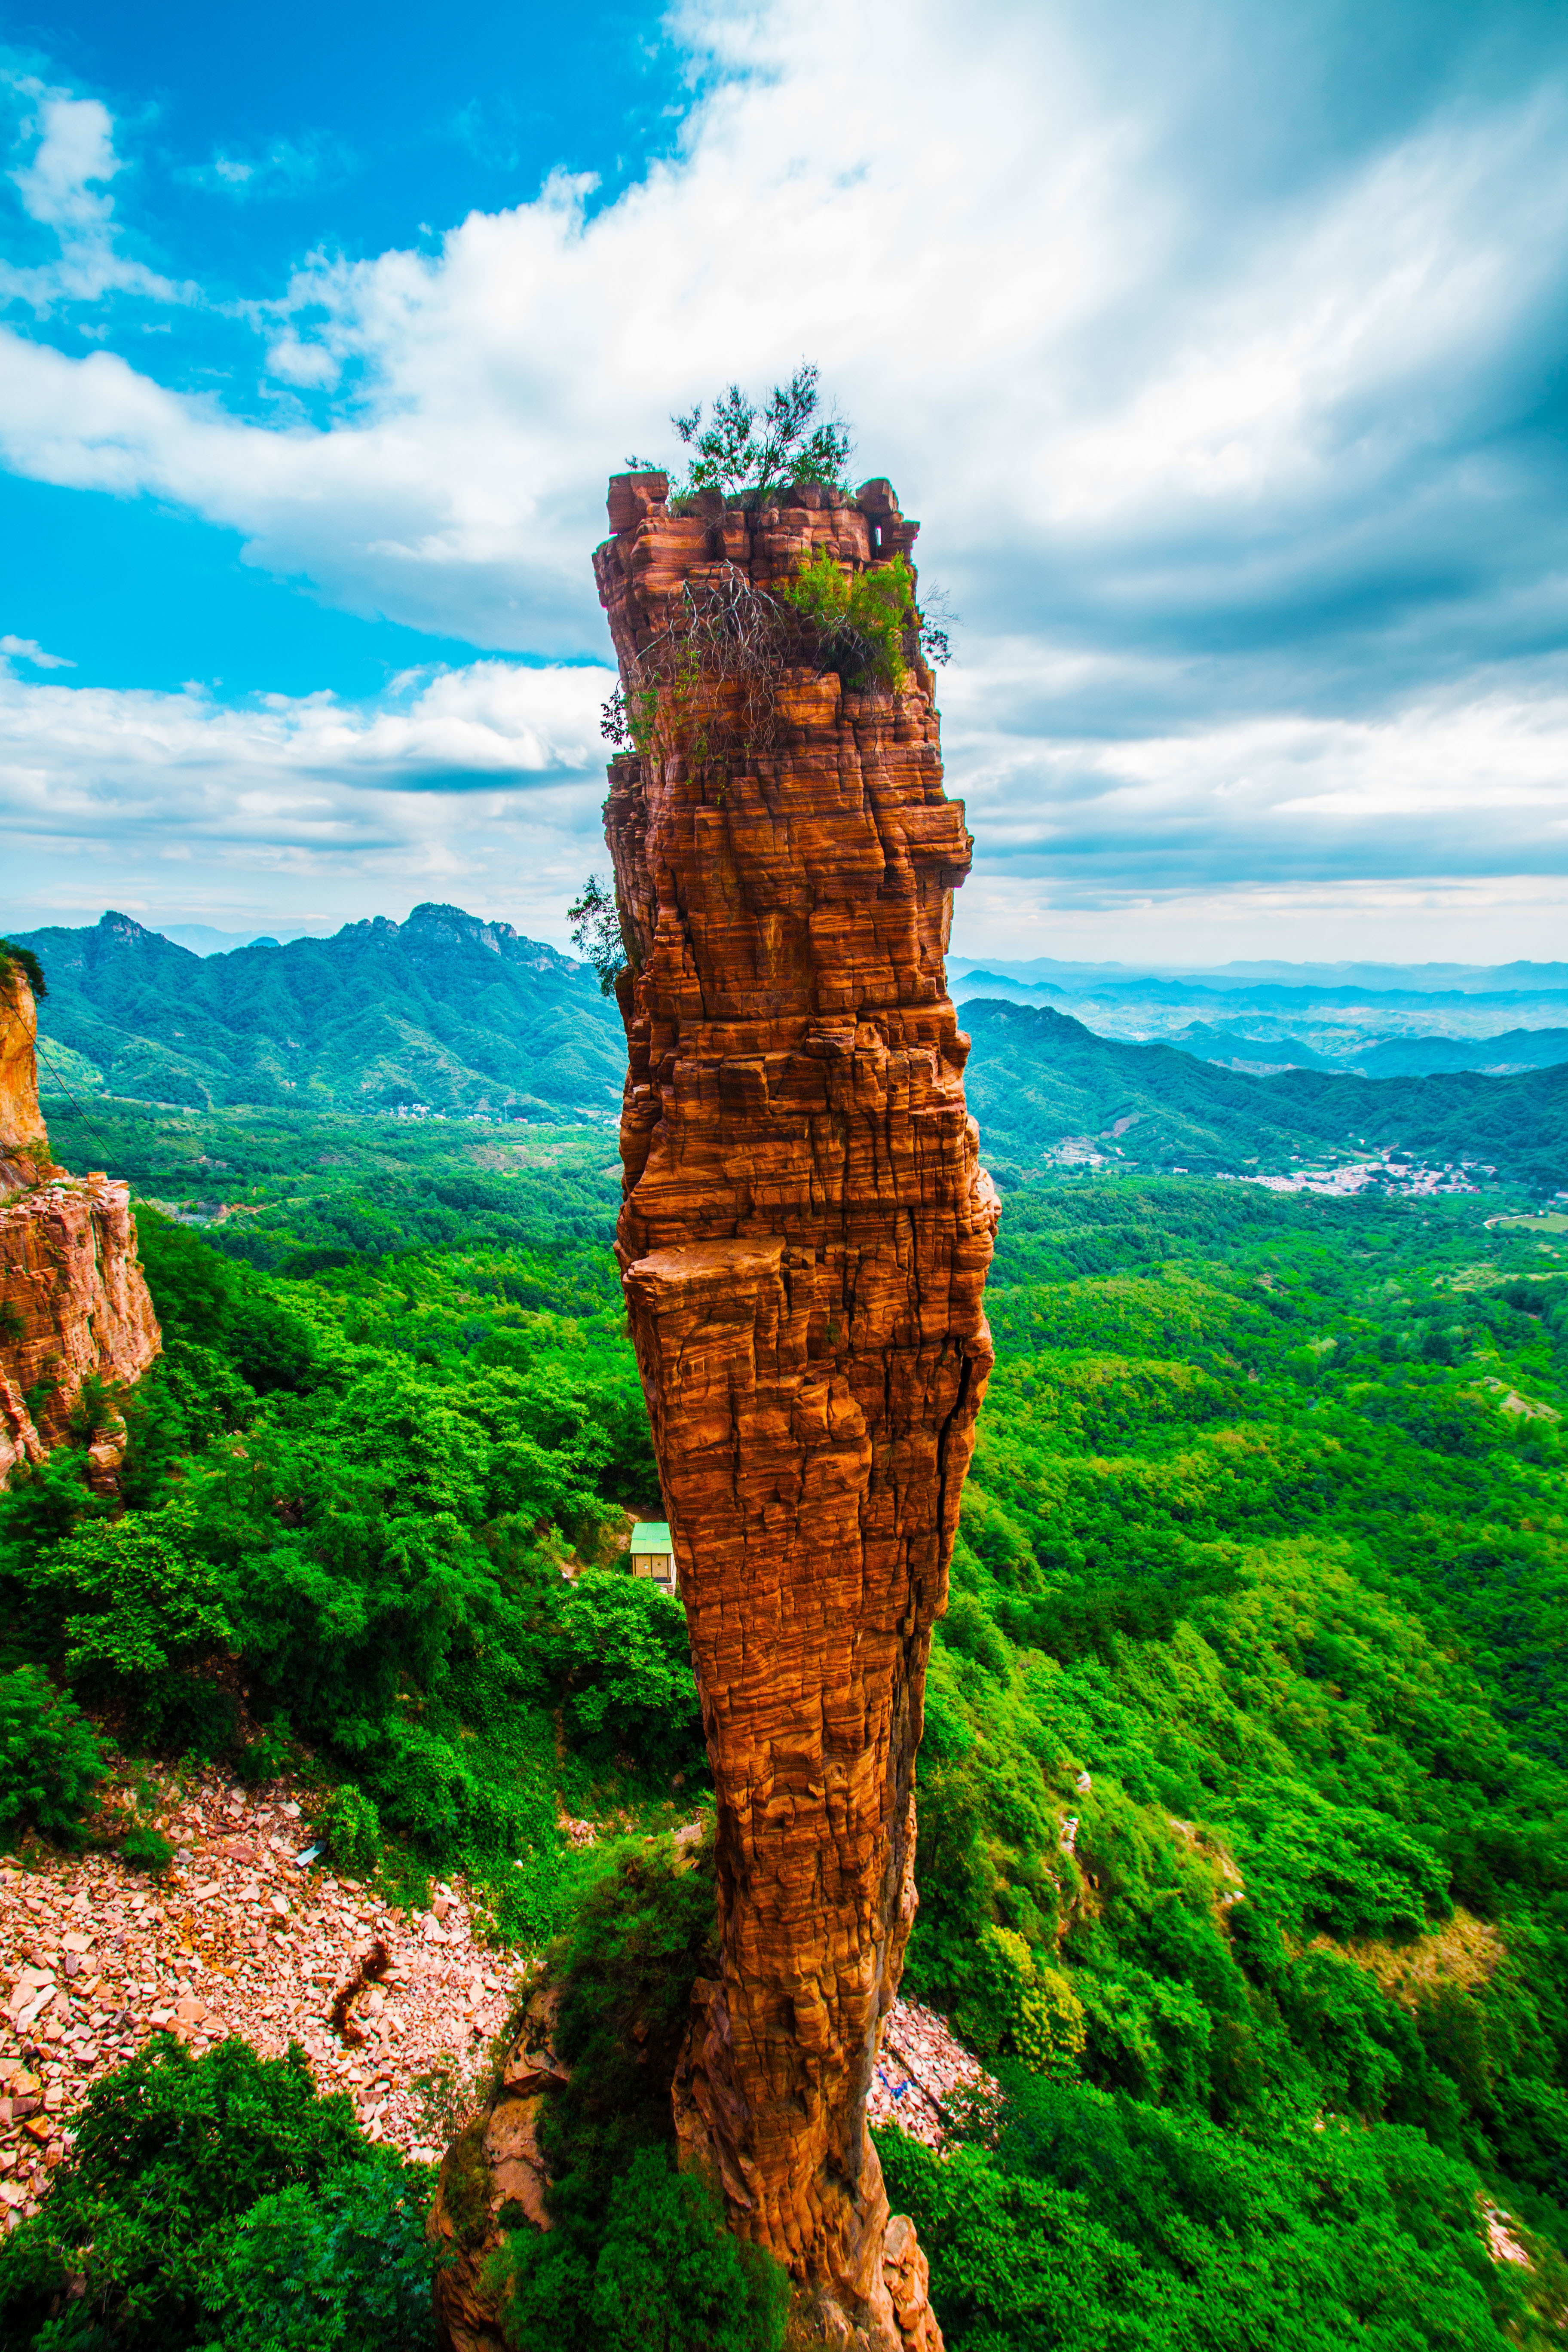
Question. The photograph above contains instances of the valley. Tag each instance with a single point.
(1246, 1724)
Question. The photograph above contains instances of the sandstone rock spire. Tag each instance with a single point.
(804, 1238)
(73, 1301)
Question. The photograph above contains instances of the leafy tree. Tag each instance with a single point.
(597, 930)
(50, 1762)
(619, 1646)
(670, 2278)
(136, 1596)
(138, 2239)
(747, 452)
(329, 2268)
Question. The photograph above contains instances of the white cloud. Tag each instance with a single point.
(76, 147)
(1220, 473)
(986, 261)
(287, 167)
(28, 649)
(456, 783)
(1448, 787)
(62, 187)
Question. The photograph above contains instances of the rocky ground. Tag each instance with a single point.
(241, 1934)
(247, 1932)
(924, 2077)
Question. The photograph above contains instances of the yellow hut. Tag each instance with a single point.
(652, 1553)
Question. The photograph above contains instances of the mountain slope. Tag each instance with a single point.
(1036, 1078)
(442, 1009)
(1244, 1044)
(1511, 1050)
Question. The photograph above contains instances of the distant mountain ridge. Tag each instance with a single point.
(1311, 1024)
(1357, 979)
(463, 1016)
(443, 1010)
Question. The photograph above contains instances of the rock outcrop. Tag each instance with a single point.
(73, 1301)
(804, 1238)
(494, 2179)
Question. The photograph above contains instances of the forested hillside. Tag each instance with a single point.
(1243, 1797)
(442, 1009)
(1037, 1076)
(1242, 1800)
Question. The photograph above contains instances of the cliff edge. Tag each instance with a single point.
(804, 1239)
(74, 1303)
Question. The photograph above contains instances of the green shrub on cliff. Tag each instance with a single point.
(858, 621)
(50, 1762)
(638, 2255)
(670, 2278)
(219, 2186)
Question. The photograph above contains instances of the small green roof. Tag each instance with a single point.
(650, 1535)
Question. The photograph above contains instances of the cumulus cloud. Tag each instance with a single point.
(1219, 369)
(451, 780)
(1453, 786)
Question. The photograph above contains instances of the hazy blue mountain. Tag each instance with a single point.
(203, 940)
(1239, 1042)
(1399, 980)
(442, 1009)
(1511, 1050)
(1505, 1053)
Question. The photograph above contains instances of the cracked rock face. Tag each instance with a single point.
(804, 1238)
(73, 1300)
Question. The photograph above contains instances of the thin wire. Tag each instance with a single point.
(86, 1122)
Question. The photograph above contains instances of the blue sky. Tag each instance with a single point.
(1221, 349)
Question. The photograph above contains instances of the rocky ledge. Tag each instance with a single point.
(74, 1305)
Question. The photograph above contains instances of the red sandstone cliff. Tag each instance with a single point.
(805, 1240)
(73, 1301)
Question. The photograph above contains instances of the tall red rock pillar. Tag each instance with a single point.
(804, 1239)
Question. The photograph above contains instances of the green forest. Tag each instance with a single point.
(1244, 1797)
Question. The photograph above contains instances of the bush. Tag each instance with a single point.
(1001, 1970)
(350, 1826)
(146, 1849)
(136, 1597)
(620, 1646)
(670, 2278)
(50, 1763)
(138, 2242)
(860, 620)
(666, 2276)
(344, 2263)
(1050, 2029)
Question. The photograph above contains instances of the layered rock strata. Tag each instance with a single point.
(804, 1239)
(73, 1301)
